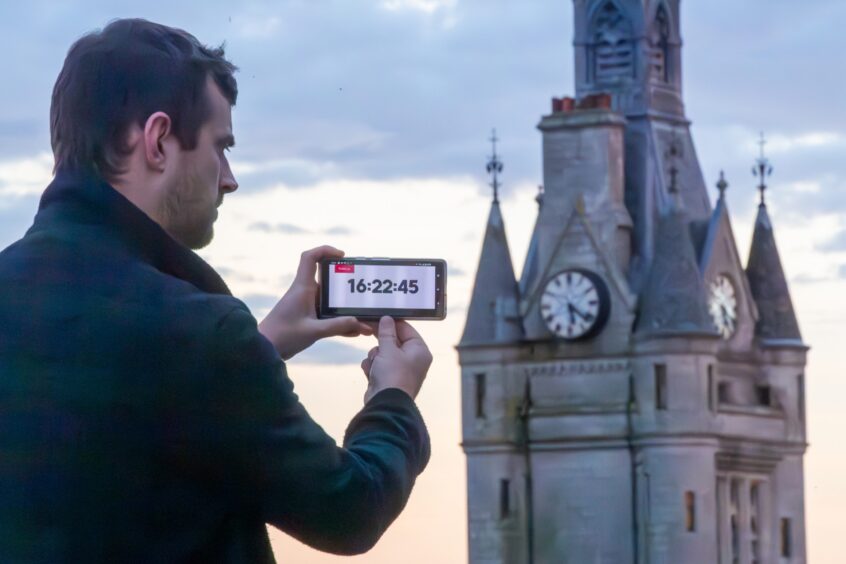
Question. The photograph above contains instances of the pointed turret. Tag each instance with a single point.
(673, 301)
(705, 232)
(492, 317)
(530, 266)
(776, 318)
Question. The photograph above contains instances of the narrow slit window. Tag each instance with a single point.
(800, 384)
(763, 395)
(690, 511)
(661, 386)
(786, 547)
(504, 498)
(481, 384)
(723, 392)
(711, 405)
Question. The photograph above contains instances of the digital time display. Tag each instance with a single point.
(385, 286)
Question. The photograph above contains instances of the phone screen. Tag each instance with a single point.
(374, 287)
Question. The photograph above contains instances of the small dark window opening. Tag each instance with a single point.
(786, 547)
(661, 386)
(480, 395)
(723, 395)
(690, 511)
(504, 499)
(711, 405)
(764, 395)
(801, 396)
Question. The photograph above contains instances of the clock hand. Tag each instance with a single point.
(586, 316)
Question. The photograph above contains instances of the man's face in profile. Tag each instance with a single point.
(202, 177)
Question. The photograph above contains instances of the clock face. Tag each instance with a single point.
(722, 304)
(575, 304)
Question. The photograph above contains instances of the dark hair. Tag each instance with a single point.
(121, 75)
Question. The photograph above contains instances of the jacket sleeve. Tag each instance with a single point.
(255, 441)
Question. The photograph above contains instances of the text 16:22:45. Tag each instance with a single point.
(386, 286)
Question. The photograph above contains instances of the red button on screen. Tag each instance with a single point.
(344, 268)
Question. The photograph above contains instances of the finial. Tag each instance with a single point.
(539, 197)
(494, 167)
(722, 185)
(762, 169)
(674, 151)
(580, 203)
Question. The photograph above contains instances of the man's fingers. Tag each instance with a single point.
(387, 334)
(343, 327)
(366, 364)
(372, 353)
(309, 259)
(406, 332)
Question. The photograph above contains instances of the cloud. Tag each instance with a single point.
(255, 26)
(26, 176)
(338, 230)
(836, 244)
(15, 219)
(784, 143)
(266, 227)
(232, 273)
(330, 351)
(427, 6)
(809, 279)
(260, 304)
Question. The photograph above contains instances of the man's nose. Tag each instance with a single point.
(228, 183)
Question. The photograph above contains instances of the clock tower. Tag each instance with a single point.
(637, 395)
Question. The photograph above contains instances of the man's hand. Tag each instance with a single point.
(400, 361)
(292, 325)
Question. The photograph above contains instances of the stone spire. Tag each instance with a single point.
(673, 301)
(531, 269)
(776, 318)
(493, 317)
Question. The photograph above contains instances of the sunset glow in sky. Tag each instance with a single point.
(364, 124)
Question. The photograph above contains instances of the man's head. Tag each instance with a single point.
(148, 108)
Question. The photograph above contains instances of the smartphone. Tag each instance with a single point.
(368, 288)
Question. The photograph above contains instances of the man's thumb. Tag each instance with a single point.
(387, 332)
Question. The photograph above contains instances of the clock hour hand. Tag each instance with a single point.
(573, 309)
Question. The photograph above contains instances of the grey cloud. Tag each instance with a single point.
(266, 227)
(15, 218)
(259, 304)
(330, 352)
(835, 244)
(338, 230)
(347, 89)
(232, 273)
(808, 279)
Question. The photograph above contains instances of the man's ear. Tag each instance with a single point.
(157, 128)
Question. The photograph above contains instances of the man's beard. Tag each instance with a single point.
(188, 221)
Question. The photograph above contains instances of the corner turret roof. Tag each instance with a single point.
(777, 320)
(673, 301)
(492, 317)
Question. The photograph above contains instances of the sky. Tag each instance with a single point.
(364, 124)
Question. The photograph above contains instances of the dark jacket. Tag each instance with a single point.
(143, 417)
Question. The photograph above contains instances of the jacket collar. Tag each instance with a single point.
(83, 197)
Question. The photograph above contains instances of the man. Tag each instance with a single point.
(144, 415)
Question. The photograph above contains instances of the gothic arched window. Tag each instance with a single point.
(660, 45)
(612, 45)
